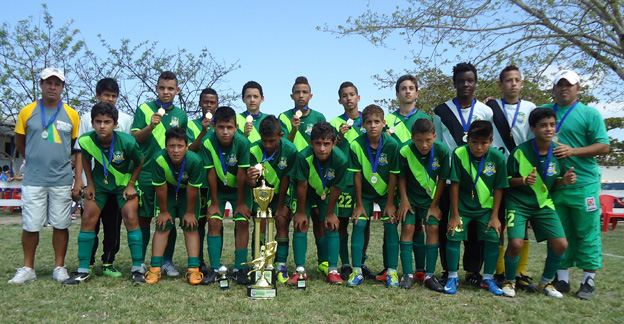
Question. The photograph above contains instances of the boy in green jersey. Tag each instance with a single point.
(533, 171)
(349, 127)
(177, 175)
(581, 135)
(118, 163)
(319, 181)
(297, 125)
(148, 128)
(478, 177)
(278, 156)
(375, 165)
(197, 129)
(249, 120)
(226, 156)
(424, 163)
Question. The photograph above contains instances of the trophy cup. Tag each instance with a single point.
(263, 285)
(224, 284)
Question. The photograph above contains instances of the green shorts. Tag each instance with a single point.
(420, 213)
(346, 202)
(322, 206)
(233, 199)
(369, 205)
(203, 202)
(482, 220)
(177, 209)
(147, 194)
(545, 223)
(102, 195)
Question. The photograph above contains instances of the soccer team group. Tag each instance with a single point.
(467, 174)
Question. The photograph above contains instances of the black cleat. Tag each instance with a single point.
(138, 278)
(241, 277)
(433, 284)
(407, 281)
(76, 278)
(587, 289)
(367, 273)
(474, 279)
(210, 278)
(561, 286)
(345, 271)
(525, 283)
(203, 269)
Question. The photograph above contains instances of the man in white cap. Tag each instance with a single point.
(581, 134)
(45, 132)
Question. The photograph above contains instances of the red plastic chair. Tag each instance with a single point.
(606, 203)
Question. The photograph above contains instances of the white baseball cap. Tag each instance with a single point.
(569, 75)
(50, 72)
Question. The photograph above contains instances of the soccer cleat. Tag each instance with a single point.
(323, 268)
(345, 271)
(587, 289)
(76, 278)
(60, 274)
(241, 277)
(561, 286)
(367, 273)
(281, 273)
(451, 285)
(407, 281)
(500, 279)
(419, 276)
(433, 284)
(110, 271)
(392, 279)
(22, 275)
(334, 278)
(473, 279)
(170, 270)
(509, 289)
(549, 290)
(444, 277)
(138, 278)
(525, 283)
(203, 269)
(153, 275)
(355, 279)
(293, 279)
(490, 285)
(210, 278)
(193, 276)
(143, 268)
(383, 275)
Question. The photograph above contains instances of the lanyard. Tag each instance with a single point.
(182, 166)
(323, 174)
(52, 118)
(374, 164)
(465, 125)
(247, 113)
(165, 106)
(224, 166)
(544, 169)
(304, 108)
(344, 116)
(431, 160)
(479, 170)
(515, 114)
(111, 148)
(398, 119)
(564, 116)
(265, 159)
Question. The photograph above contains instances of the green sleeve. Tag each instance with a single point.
(158, 174)
(354, 162)
(501, 181)
(456, 168)
(284, 127)
(597, 131)
(139, 120)
(340, 180)
(403, 164)
(197, 174)
(513, 169)
(190, 135)
(205, 155)
(445, 169)
(243, 152)
(136, 155)
(302, 172)
(395, 166)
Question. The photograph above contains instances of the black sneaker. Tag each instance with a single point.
(138, 278)
(444, 278)
(474, 279)
(433, 284)
(525, 283)
(345, 272)
(561, 286)
(500, 279)
(367, 273)
(407, 281)
(241, 277)
(587, 289)
(203, 269)
(210, 278)
(76, 278)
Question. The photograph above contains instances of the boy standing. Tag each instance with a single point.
(177, 175)
(375, 165)
(478, 177)
(533, 172)
(118, 163)
(249, 120)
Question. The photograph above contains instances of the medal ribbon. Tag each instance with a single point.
(564, 116)
(543, 169)
(224, 166)
(398, 119)
(323, 174)
(344, 116)
(515, 114)
(465, 125)
(111, 148)
(431, 160)
(247, 113)
(165, 106)
(479, 170)
(374, 164)
(182, 166)
(52, 118)
(304, 108)
(264, 157)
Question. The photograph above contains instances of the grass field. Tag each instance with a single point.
(110, 300)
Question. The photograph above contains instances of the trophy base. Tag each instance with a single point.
(269, 274)
(261, 293)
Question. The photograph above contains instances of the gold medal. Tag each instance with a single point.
(249, 118)
(323, 196)
(298, 113)
(472, 193)
(161, 111)
(106, 180)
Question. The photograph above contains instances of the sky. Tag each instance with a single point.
(273, 41)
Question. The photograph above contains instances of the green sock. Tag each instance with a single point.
(240, 257)
(384, 253)
(321, 249)
(452, 255)
(300, 248)
(552, 264)
(406, 257)
(511, 265)
(145, 237)
(193, 262)
(214, 250)
(490, 257)
(344, 249)
(157, 261)
(333, 248)
(419, 250)
(202, 236)
(392, 244)
(282, 250)
(431, 252)
(85, 248)
(134, 243)
(171, 242)
(357, 243)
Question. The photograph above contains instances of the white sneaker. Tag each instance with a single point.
(169, 270)
(549, 290)
(509, 289)
(60, 274)
(22, 275)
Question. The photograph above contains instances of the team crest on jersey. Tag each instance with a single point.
(185, 176)
(63, 126)
(232, 159)
(331, 173)
(118, 157)
(521, 118)
(175, 122)
(490, 168)
(362, 129)
(309, 129)
(552, 169)
(283, 163)
(383, 159)
(436, 164)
